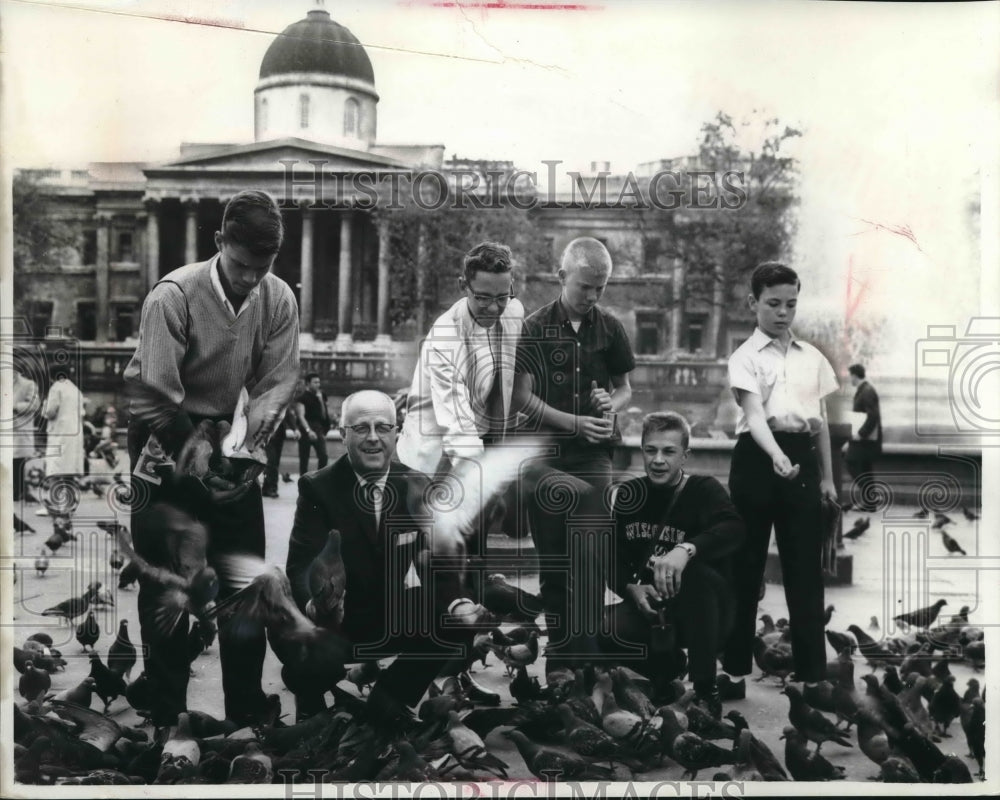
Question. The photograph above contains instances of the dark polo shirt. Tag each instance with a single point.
(563, 362)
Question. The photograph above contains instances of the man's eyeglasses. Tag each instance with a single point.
(487, 300)
(381, 429)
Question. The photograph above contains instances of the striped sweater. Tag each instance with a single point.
(197, 356)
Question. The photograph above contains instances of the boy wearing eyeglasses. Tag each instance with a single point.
(460, 397)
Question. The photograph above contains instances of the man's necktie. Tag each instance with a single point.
(495, 416)
(373, 499)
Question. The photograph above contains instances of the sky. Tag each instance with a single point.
(898, 104)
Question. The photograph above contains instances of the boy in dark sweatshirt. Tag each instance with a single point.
(673, 535)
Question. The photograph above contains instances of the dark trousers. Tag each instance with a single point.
(318, 444)
(273, 450)
(571, 527)
(860, 462)
(792, 508)
(17, 468)
(419, 659)
(702, 616)
(236, 527)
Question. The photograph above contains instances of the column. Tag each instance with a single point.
(306, 273)
(383, 336)
(715, 321)
(344, 310)
(677, 305)
(191, 231)
(152, 242)
(421, 288)
(102, 289)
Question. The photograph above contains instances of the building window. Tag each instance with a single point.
(89, 255)
(86, 320)
(648, 332)
(351, 112)
(695, 334)
(39, 316)
(125, 252)
(124, 321)
(303, 111)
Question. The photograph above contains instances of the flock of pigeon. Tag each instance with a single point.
(601, 722)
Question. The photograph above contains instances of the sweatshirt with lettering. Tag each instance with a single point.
(703, 515)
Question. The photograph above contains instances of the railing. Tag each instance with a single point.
(658, 373)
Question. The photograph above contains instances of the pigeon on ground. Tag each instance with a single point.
(548, 763)
(509, 601)
(970, 515)
(860, 526)
(811, 723)
(88, 631)
(940, 520)
(873, 625)
(765, 761)
(20, 526)
(107, 684)
(973, 716)
(773, 661)
(922, 617)
(122, 653)
(805, 765)
(41, 564)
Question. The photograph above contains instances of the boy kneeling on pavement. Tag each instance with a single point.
(674, 533)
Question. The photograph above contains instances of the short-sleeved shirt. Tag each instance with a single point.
(563, 362)
(790, 383)
(315, 408)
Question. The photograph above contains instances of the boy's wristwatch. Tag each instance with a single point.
(688, 548)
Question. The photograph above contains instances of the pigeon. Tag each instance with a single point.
(70, 609)
(891, 680)
(952, 770)
(129, 575)
(971, 690)
(468, 749)
(509, 601)
(776, 660)
(188, 584)
(88, 631)
(616, 721)
(115, 560)
(411, 767)
(874, 653)
(181, 754)
(589, 740)
(765, 762)
(253, 766)
(873, 625)
(364, 674)
(839, 641)
(805, 765)
(921, 513)
(548, 763)
(520, 655)
(631, 697)
(940, 520)
(970, 515)
(922, 617)
(975, 654)
(525, 689)
(107, 684)
(897, 769)
(872, 739)
(80, 695)
(973, 716)
(695, 754)
(286, 477)
(950, 544)
(33, 682)
(326, 578)
(811, 723)
(919, 749)
(41, 564)
(944, 706)
(860, 526)
(828, 614)
(122, 653)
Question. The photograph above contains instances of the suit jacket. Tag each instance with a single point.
(380, 564)
(439, 410)
(866, 400)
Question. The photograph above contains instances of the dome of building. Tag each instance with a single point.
(317, 44)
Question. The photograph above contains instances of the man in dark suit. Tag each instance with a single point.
(866, 444)
(396, 601)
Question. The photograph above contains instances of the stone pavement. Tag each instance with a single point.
(765, 708)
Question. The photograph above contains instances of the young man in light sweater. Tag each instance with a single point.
(208, 331)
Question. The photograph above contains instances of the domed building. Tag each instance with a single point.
(315, 126)
(317, 83)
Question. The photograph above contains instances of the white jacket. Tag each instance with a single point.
(441, 416)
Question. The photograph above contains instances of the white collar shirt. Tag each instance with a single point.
(791, 383)
(214, 268)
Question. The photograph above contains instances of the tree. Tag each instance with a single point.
(40, 237)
